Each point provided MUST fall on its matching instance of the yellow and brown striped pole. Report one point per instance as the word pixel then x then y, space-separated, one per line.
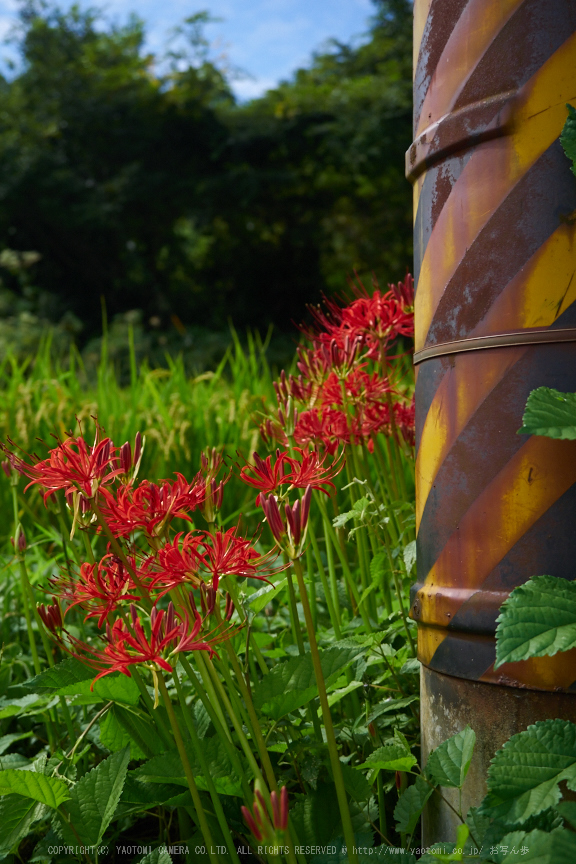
pixel 495 270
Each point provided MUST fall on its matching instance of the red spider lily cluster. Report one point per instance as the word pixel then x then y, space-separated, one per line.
pixel 258 819
pixel 126 592
pixel 343 394
pixel 276 477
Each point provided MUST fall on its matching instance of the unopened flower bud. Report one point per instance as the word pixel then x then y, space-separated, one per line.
pixel 229 610
pixel 7 468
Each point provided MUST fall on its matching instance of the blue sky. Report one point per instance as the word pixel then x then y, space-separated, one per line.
pixel 267 39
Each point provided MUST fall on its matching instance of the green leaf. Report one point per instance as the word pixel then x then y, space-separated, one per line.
pixel 448 764
pixel 550 413
pixel 113 688
pixel 391 704
pixel 22 706
pixel 47 790
pixel 316 817
pixel 291 684
pixel 356 784
pixel 538 619
pixel 537 847
pixel 391 757
pixel 114 736
pixel 157 856
pixel 568 136
pixel 167 768
pixel 567 810
pixel 524 775
pixel 17 815
pixel 410 805
pixel 6 741
pixel 410 556
pixel 260 599
pixel 94 799
pixel 67 672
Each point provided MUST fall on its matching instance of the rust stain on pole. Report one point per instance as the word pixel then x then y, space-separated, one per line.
pixel 494 258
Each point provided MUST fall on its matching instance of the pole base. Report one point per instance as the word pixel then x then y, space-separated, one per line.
pixel 495 713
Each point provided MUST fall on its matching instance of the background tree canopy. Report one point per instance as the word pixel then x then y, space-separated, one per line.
pixel 156 191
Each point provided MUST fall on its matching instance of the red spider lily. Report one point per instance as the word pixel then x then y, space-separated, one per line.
pixel 72 466
pixel 178 562
pixel 210 464
pixel 100 588
pixel 51 616
pixel 127 462
pixel 404 418
pixel 192 558
pixel 151 507
pixel 309 470
pixel 290 532
pixel 264 475
pixel 329 427
pixel 258 820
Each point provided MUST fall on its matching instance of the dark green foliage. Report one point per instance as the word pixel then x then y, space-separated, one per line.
pixel 158 192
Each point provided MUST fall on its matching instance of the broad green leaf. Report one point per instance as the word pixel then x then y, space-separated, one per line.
pixel 22 706
pixel 550 413
pixel 536 847
pixel 114 736
pixel 356 784
pixel 336 695
pixel 456 851
pixel 291 684
pixel 568 136
pixel 391 757
pixel 260 599
pixel 6 741
pixel 448 764
pixel 47 790
pixel 17 815
pixel 567 810
pixel 524 775
pixel 391 704
pixel 167 768
pixel 149 794
pixel 316 817
pixel 410 805
pixel 140 729
pixel 111 688
pixel 67 672
pixel 94 799
pixel 537 619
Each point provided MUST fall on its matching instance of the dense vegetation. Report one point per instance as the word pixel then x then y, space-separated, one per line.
pixel 139 180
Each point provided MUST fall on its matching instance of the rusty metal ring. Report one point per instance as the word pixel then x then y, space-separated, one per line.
pixel 529 336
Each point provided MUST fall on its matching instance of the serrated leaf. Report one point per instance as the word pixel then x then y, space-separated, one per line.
pixel 47 790
pixel 551 413
pixel 94 799
pixel 538 619
pixel 567 810
pixel 167 768
pixel 316 817
pixel 356 784
pixel 448 764
pixel 410 805
pixel 17 815
pixel 22 705
pixel 115 737
pixel 260 599
pixel 292 684
pixel 536 847
pixel 342 518
pixel 390 704
pixel 524 775
pixel 568 136
pixel 67 672
pixel 391 757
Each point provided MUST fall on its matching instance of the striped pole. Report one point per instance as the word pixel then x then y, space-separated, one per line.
pixel 495 270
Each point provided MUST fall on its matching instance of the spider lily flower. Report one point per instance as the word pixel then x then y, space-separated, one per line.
pixel 280 809
pixel 289 533
pixel 100 588
pixel 306 469
pixel 151 507
pixel 128 463
pixel 266 475
pixel 258 820
pixel 72 466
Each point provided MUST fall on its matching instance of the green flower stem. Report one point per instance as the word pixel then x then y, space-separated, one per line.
pixel 233 590
pixel 212 698
pixel 88 547
pixel 345 567
pixel 221 731
pixel 381 807
pixel 311 586
pixel 327 593
pixel 204 827
pixel 332 573
pixel 154 715
pixel 296 631
pixel 255 768
pixel 327 717
pixel 196 743
pixel 254 722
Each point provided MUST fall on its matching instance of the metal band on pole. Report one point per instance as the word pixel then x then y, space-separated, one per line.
pixel 512 339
